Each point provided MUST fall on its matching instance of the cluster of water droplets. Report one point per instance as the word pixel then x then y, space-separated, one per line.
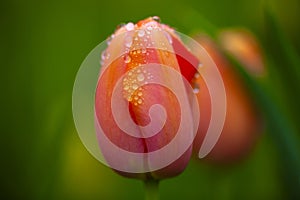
pixel 138 44
pixel 139 38
pixel 133 82
pixel 104 56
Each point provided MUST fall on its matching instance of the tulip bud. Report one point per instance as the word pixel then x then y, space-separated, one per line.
pixel 143 102
pixel 243 45
pixel 242 123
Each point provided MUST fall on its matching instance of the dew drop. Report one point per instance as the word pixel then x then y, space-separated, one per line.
pixel 197 75
pixel 140 101
pixel 149 28
pixel 139 94
pixel 156 18
pixel 105 55
pixel 108 41
pixel 200 65
pixel 134 86
pixel 129 26
pixel 136 97
pixel 140 77
pixel 141 33
pixel 126 87
pixel 196 89
pixel 128 41
pixel 127 59
pixel 129 73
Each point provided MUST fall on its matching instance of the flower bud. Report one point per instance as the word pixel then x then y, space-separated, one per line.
pixel 242 124
pixel 243 45
pixel 144 117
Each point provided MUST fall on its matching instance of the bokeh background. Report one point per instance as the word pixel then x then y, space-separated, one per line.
pixel 42 45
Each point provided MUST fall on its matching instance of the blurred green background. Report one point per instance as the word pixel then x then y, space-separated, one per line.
pixel 42 46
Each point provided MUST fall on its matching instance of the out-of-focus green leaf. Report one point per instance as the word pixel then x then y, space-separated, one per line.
pixel 284 59
pixel 281 48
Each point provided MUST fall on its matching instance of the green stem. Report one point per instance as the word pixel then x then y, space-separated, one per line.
pixel 151 189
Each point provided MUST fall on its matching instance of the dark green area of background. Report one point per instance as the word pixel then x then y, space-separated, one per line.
pixel 42 44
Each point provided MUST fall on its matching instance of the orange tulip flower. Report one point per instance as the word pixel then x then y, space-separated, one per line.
pixel 242 125
pixel 143 103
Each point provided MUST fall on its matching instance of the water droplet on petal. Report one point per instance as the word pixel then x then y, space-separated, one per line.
pixel 140 101
pixel 144 50
pixel 108 41
pixel 105 55
pixel 128 41
pixel 134 86
pixel 140 94
pixel 149 28
pixel 141 33
pixel 140 77
pixel 200 65
pixel 156 18
pixel 129 26
pixel 197 75
pixel 196 89
pixel 127 59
